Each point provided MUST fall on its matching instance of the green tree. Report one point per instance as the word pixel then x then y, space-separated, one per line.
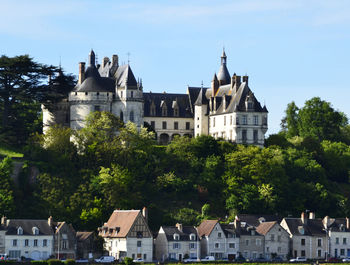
pixel 7 203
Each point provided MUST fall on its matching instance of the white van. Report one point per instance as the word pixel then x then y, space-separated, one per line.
pixel 105 259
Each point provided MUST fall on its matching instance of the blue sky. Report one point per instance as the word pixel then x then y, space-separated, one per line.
pixel 292 50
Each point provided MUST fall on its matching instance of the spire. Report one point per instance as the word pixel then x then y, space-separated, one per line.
pixel 215 78
pixel 223 74
pixel 223 56
pixel 92 58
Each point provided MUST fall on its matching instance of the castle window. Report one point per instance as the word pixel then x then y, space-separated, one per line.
pixel 98 93
pixel 76 93
pixel 35 242
pixel 250 105
pixel 19 231
pixel 164 125
pixel 132 94
pixel 35 231
pixel 255 136
pixel 265 120
pixel 132 116
pixel 176 112
pixel 244 136
pixel 187 125
pixel 121 116
pixel 153 124
pixel 164 110
pixel 237 120
pixel 176 125
pixel 97 108
pixel 244 120
pixel 256 119
pixel 26 242
pixel 45 243
pixel 153 110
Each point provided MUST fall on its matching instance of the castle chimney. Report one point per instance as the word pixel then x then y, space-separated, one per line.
pixel 303 218
pixel 145 213
pixel 214 85
pixel 238 82
pixel 105 61
pixel 179 226
pixel 311 215
pixel 245 79
pixel 115 60
pixel 49 221
pixel 347 223
pixel 3 220
pixel 233 80
pixel 81 72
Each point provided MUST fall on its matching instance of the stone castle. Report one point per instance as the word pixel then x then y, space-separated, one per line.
pixel 227 110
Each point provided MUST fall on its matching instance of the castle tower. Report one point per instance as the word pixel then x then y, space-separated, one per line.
pixel 201 118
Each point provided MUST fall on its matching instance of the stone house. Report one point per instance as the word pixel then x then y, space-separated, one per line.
pixel 308 236
pixel 232 241
pixel 177 243
pixel 65 240
pixel 85 245
pixel 276 239
pixel 338 236
pixel 126 234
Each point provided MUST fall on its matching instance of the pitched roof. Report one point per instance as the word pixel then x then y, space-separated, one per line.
pixel 124 75
pixel 313 227
pixel 229 229
pixel 27 225
pixel 81 236
pixel 121 221
pixel 265 227
pixel 184 234
pixel 338 225
pixel 256 219
pixel 205 228
pixel 201 99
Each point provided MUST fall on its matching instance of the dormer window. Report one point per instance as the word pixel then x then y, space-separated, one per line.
pixel 153 109
pixel 249 103
pixel 176 112
pixel 301 230
pixel 176 237
pixel 19 231
pixel 164 109
pixel 192 237
pixel 35 231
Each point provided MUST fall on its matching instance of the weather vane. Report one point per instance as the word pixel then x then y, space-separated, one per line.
pixel 128 57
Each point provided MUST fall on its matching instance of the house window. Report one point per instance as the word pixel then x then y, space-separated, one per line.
pixel 244 120
pixel 176 237
pixel 132 94
pixel 138 243
pixel 35 242
pixel 247 242
pixel 217 245
pixel 139 234
pixel 231 245
pixel 176 125
pixel 132 116
pixel 303 253
pixel 144 256
pixel 64 244
pixel 237 120
pixel 187 125
pixel 45 243
pixel 255 136
pixel 19 231
pixel 164 125
pixel 14 254
pixel 26 243
pixel 244 136
pixel 192 245
pixel 172 255
pixel 319 242
pixel 224 120
pixel 192 237
pixel 258 242
pixel 272 237
pixel 153 124
pixel 14 243
pixel 279 238
pixel 250 105
pixel 342 252
pixel 176 245
pixel 344 241
pixel 231 120
pixel 176 112
pixel 133 255
pixel 97 108
pixel 98 93
pixel 86 93
pixel 219 235
pixel 265 120
pixel 303 241
pixel 279 249
pixel 256 120
pixel 337 240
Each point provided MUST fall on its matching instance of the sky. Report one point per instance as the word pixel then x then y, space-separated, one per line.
pixel 292 50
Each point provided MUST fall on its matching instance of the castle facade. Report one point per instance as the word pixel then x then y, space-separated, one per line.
pixel 228 109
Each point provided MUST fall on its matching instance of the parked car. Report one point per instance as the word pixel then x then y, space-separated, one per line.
pixel 105 259
pixel 277 259
pixel 346 259
pixel 240 259
pixel 334 260
pixel 81 261
pixel 139 260
pixel 298 259
pixel 190 260
pixel 261 259
pixel 208 258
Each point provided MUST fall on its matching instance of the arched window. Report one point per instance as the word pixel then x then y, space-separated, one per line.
pixel 35 231
pixel 121 116
pixel 19 231
pixel 132 116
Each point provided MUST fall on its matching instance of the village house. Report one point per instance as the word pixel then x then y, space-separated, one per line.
pixel 65 242
pixel 177 243
pixel 338 236
pixel 126 234
pixel 232 241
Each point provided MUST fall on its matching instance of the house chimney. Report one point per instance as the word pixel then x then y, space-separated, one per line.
pixel 311 215
pixel 105 61
pixel 115 60
pixel 237 223
pixel 347 223
pixel 214 85
pixel 179 226
pixel 145 213
pixel 237 82
pixel 3 220
pixel 245 79
pixel 49 221
pixel 326 222
pixel 303 218
pixel 81 72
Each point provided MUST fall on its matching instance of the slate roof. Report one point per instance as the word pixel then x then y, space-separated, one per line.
pixel 265 227
pixel 120 221
pixel 313 227
pixel 27 226
pixel 184 235
pixel 338 225
pixel 205 228
pixel 201 98
pixel 229 229
pixel 256 219
pixel 124 76
pixel 93 82
pixel 82 236
pixel 168 99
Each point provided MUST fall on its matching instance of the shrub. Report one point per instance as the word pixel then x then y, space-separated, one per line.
pixel 128 261
pixel 69 262
pixel 39 262
pixel 54 262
